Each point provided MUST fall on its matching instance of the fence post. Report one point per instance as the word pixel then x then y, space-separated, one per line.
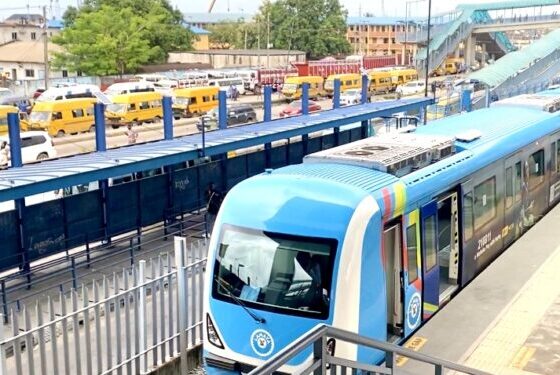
pixel 267 103
pixel 319 353
pixel 4 302
pixel 100 137
pixel 305 99
pixel 180 251
pixel 88 255
pixel 3 351
pixel 74 273
pixel 142 316
pixel 336 94
pixel 167 118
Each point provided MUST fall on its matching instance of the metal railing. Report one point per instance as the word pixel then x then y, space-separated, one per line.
pixel 324 363
pixel 130 323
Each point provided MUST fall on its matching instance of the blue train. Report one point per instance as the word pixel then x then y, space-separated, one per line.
pixel 377 235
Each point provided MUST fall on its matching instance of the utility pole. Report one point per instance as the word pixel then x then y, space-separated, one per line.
pixel 268 39
pixel 46 47
pixel 428 48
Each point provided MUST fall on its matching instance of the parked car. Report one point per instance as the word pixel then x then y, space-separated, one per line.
pixel 294 108
pixel 35 145
pixel 238 114
pixel 349 97
pixel 411 88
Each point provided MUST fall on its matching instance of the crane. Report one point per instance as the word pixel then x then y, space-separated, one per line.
pixel 212 2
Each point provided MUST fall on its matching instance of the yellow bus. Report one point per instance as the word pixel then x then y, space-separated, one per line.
pixel 347 82
pixel 4 110
pixel 61 117
pixel 380 81
pixel 451 65
pixel 292 88
pixel 134 108
pixel 194 100
pixel 400 75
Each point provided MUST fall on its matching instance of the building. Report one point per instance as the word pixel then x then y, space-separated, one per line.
pixel 382 36
pixel 24 60
pixel 202 41
pixel 231 58
pixel 203 20
pixel 26 27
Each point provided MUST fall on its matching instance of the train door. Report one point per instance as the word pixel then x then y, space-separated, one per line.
pixel 430 266
pixel 392 248
pixel 447 245
pixel 513 185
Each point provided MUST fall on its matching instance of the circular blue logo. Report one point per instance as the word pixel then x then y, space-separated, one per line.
pixel 414 309
pixel 262 342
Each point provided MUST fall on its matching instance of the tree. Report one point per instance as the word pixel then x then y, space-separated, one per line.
pixel 107 41
pixel 315 26
pixel 228 34
pixel 153 26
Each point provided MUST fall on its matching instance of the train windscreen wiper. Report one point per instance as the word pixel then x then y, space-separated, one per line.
pixel 226 287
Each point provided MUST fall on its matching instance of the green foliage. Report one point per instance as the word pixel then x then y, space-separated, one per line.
pixel 315 26
pixel 229 34
pixel 117 36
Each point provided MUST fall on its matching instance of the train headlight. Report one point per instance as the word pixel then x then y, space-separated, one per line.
pixel 212 334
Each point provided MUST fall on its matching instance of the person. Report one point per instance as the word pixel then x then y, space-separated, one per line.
pixel 234 93
pixel 316 297
pixel 131 134
pixel 230 92
pixel 4 155
pixel 214 201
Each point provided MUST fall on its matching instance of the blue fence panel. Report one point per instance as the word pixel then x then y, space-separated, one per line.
pixel 255 163
pixel 9 253
pixel 344 136
pixel 209 173
pixel 185 190
pixel 355 134
pixel 296 153
pixel 236 170
pixel 122 208
pixel 153 199
pixel 314 145
pixel 278 157
pixel 43 225
pixel 327 141
pixel 84 217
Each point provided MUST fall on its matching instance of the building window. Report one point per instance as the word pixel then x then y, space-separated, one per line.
pixel 14 36
pixel 29 73
pixel 33 36
pixel 65 74
pixel 386 40
pixel 78 73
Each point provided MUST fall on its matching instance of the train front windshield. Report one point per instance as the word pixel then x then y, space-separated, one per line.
pixel 274 272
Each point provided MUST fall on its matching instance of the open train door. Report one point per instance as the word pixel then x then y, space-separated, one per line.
pixel 430 266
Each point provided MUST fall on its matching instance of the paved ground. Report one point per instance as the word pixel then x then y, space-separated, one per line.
pixel 506 321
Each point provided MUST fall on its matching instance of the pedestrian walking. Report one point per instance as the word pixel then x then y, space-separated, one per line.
pixel 4 155
pixel 131 134
pixel 214 201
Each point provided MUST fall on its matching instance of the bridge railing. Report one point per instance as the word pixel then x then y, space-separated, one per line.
pixel 324 361
pixel 131 322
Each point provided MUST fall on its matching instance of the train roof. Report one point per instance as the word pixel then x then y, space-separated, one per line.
pixel 453 148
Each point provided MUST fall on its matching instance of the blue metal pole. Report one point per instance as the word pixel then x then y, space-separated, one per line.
pixel 222 110
pixel 167 118
pixel 336 94
pixel 15 139
pixel 365 82
pixel 267 103
pixel 305 99
pixel 100 139
pixel 466 102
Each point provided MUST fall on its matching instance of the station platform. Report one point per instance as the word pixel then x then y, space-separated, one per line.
pixel 507 320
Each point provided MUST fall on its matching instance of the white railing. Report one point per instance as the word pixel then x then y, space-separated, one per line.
pixel 130 323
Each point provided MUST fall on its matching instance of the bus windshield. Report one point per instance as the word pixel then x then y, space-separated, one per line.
pixel 275 272
pixel 182 100
pixel 116 108
pixel 39 116
pixel 290 87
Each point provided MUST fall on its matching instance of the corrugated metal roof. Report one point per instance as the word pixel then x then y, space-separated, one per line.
pixel 367 179
pixel 380 21
pixel 513 62
pixel 198 30
pixel 54 174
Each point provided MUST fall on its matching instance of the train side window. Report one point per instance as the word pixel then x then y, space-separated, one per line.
pixel 509 187
pixel 484 202
pixel 553 157
pixel 518 182
pixel 536 169
pixel 430 242
pixel 468 215
pixel 411 246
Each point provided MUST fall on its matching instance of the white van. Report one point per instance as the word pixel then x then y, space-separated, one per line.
pixel 150 77
pixel 70 92
pixel 225 83
pixel 129 87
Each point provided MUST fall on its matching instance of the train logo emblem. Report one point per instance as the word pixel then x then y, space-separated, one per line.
pixel 262 342
pixel 413 316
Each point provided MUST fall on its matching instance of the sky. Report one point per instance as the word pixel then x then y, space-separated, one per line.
pixel 417 8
